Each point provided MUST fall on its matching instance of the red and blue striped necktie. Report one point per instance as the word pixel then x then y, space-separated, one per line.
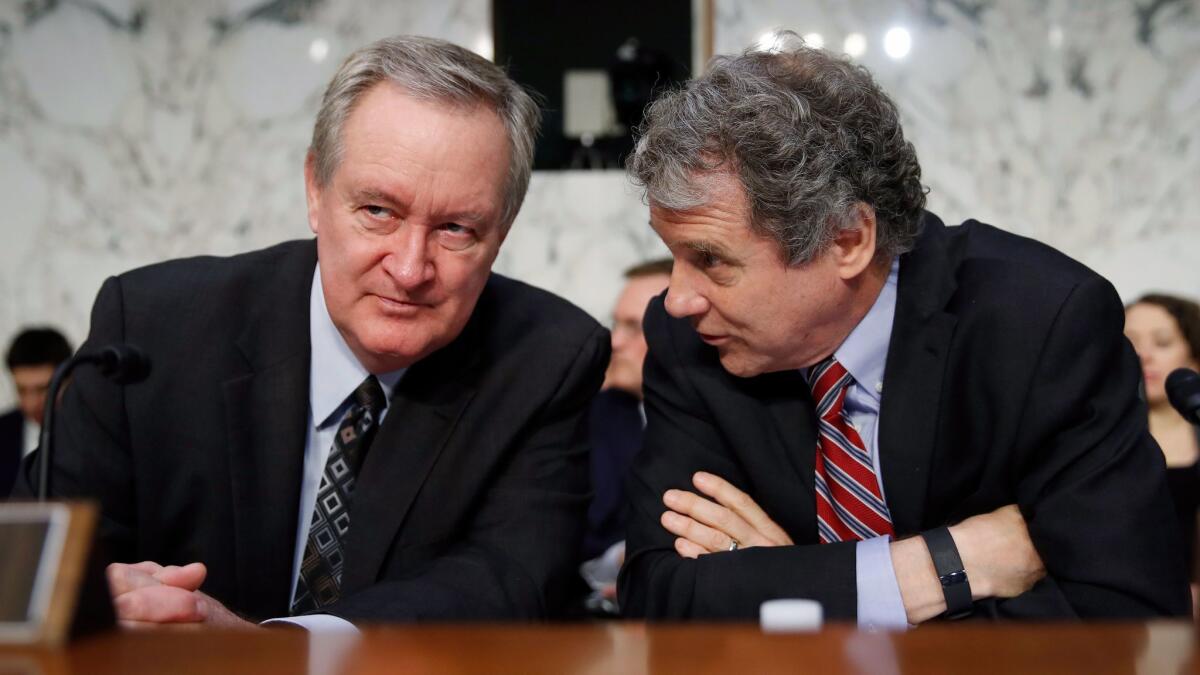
pixel 850 504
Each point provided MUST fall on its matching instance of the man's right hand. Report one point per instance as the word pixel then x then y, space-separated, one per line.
pixel 149 594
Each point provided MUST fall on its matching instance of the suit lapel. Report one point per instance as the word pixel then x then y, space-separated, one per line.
pixel 794 425
pixel 421 417
pixel 267 418
pixel 912 385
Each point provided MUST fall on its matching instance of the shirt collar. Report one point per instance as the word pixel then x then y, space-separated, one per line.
pixel 334 371
pixel 864 352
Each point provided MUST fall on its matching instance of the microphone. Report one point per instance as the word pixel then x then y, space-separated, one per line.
pixel 121 363
pixel 1183 391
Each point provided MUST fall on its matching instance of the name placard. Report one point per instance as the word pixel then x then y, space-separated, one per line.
pixel 44 572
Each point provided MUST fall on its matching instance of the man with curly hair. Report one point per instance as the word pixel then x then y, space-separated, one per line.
pixel 851 402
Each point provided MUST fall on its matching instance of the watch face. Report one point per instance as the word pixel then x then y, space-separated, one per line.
pixel 954 578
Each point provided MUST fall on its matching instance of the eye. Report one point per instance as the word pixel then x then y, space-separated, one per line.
pixel 708 260
pixel 456 236
pixel 377 211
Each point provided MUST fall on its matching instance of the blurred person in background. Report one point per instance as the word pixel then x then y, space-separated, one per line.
pixel 32 358
pixel 616 423
pixel 1165 332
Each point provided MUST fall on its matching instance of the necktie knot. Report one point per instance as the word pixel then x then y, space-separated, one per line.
pixel 370 395
pixel 828 381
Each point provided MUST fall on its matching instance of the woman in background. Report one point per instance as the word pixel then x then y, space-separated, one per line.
pixel 1165 332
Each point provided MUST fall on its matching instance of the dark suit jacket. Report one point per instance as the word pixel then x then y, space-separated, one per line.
pixel 1008 380
pixel 12 443
pixel 470 503
pixel 615 431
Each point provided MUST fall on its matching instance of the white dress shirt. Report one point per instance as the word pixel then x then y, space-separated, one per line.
pixel 334 374
pixel 33 433
pixel 864 354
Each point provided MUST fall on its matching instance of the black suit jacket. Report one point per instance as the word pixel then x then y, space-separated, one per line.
pixel 615 431
pixel 1008 380
pixel 470 503
pixel 12 444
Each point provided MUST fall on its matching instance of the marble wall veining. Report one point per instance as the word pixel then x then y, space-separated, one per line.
pixel 132 131
pixel 1076 122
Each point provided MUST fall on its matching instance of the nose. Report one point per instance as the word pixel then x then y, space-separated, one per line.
pixel 682 299
pixel 409 262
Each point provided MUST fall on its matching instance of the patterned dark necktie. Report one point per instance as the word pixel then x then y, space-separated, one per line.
pixel 320 578
pixel 849 502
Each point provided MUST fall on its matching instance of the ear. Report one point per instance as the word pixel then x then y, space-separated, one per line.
pixel 854 247
pixel 312 191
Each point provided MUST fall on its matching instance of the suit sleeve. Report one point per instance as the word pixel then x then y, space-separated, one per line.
pixel 681 438
pixel 1092 484
pixel 519 558
pixel 91 454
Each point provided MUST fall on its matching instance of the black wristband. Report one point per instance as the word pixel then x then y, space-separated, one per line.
pixel 950 571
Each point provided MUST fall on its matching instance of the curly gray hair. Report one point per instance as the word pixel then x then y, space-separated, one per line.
pixel 808 134
pixel 430 70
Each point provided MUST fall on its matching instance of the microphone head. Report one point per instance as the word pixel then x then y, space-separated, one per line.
pixel 123 364
pixel 1183 391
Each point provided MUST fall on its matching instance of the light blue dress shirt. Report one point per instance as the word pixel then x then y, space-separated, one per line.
pixel 334 374
pixel 864 355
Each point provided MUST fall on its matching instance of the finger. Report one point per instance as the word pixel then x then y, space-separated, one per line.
pixel 688 549
pixel 147 566
pixel 125 578
pixel 713 515
pixel 159 604
pixel 188 577
pixel 150 625
pixel 740 504
pixel 703 536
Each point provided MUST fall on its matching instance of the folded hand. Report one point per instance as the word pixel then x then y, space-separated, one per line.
pixel 733 521
pixel 147 593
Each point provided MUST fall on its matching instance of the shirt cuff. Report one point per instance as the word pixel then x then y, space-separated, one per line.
pixel 317 623
pixel 880 606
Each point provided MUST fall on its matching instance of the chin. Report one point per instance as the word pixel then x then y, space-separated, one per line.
pixel 741 367
pixel 397 353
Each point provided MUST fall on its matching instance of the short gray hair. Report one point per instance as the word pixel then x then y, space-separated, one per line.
pixel 809 135
pixel 430 70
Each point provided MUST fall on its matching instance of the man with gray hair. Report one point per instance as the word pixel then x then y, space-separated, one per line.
pixel 850 402
pixel 370 426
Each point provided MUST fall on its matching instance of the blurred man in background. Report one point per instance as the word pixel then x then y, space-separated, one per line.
pixel 616 421
pixel 32 358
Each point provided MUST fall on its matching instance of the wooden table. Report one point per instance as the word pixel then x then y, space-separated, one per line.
pixel 629 648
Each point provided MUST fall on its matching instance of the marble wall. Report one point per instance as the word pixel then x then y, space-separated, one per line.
pixel 132 131
pixel 1076 122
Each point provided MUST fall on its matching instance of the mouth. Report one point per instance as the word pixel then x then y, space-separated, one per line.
pixel 713 340
pixel 400 307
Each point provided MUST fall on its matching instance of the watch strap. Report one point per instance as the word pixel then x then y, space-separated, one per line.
pixel 955 586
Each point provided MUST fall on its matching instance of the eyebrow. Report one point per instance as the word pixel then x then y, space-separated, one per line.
pixel 376 195
pixel 707 248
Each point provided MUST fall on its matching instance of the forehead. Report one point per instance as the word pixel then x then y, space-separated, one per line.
pixel 638 291
pixel 720 225
pixel 1150 317
pixel 390 135
pixel 724 208
pixel 33 374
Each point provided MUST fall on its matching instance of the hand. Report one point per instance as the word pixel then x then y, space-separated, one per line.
pixel 998 554
pixel 706 527
pixel 148 594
